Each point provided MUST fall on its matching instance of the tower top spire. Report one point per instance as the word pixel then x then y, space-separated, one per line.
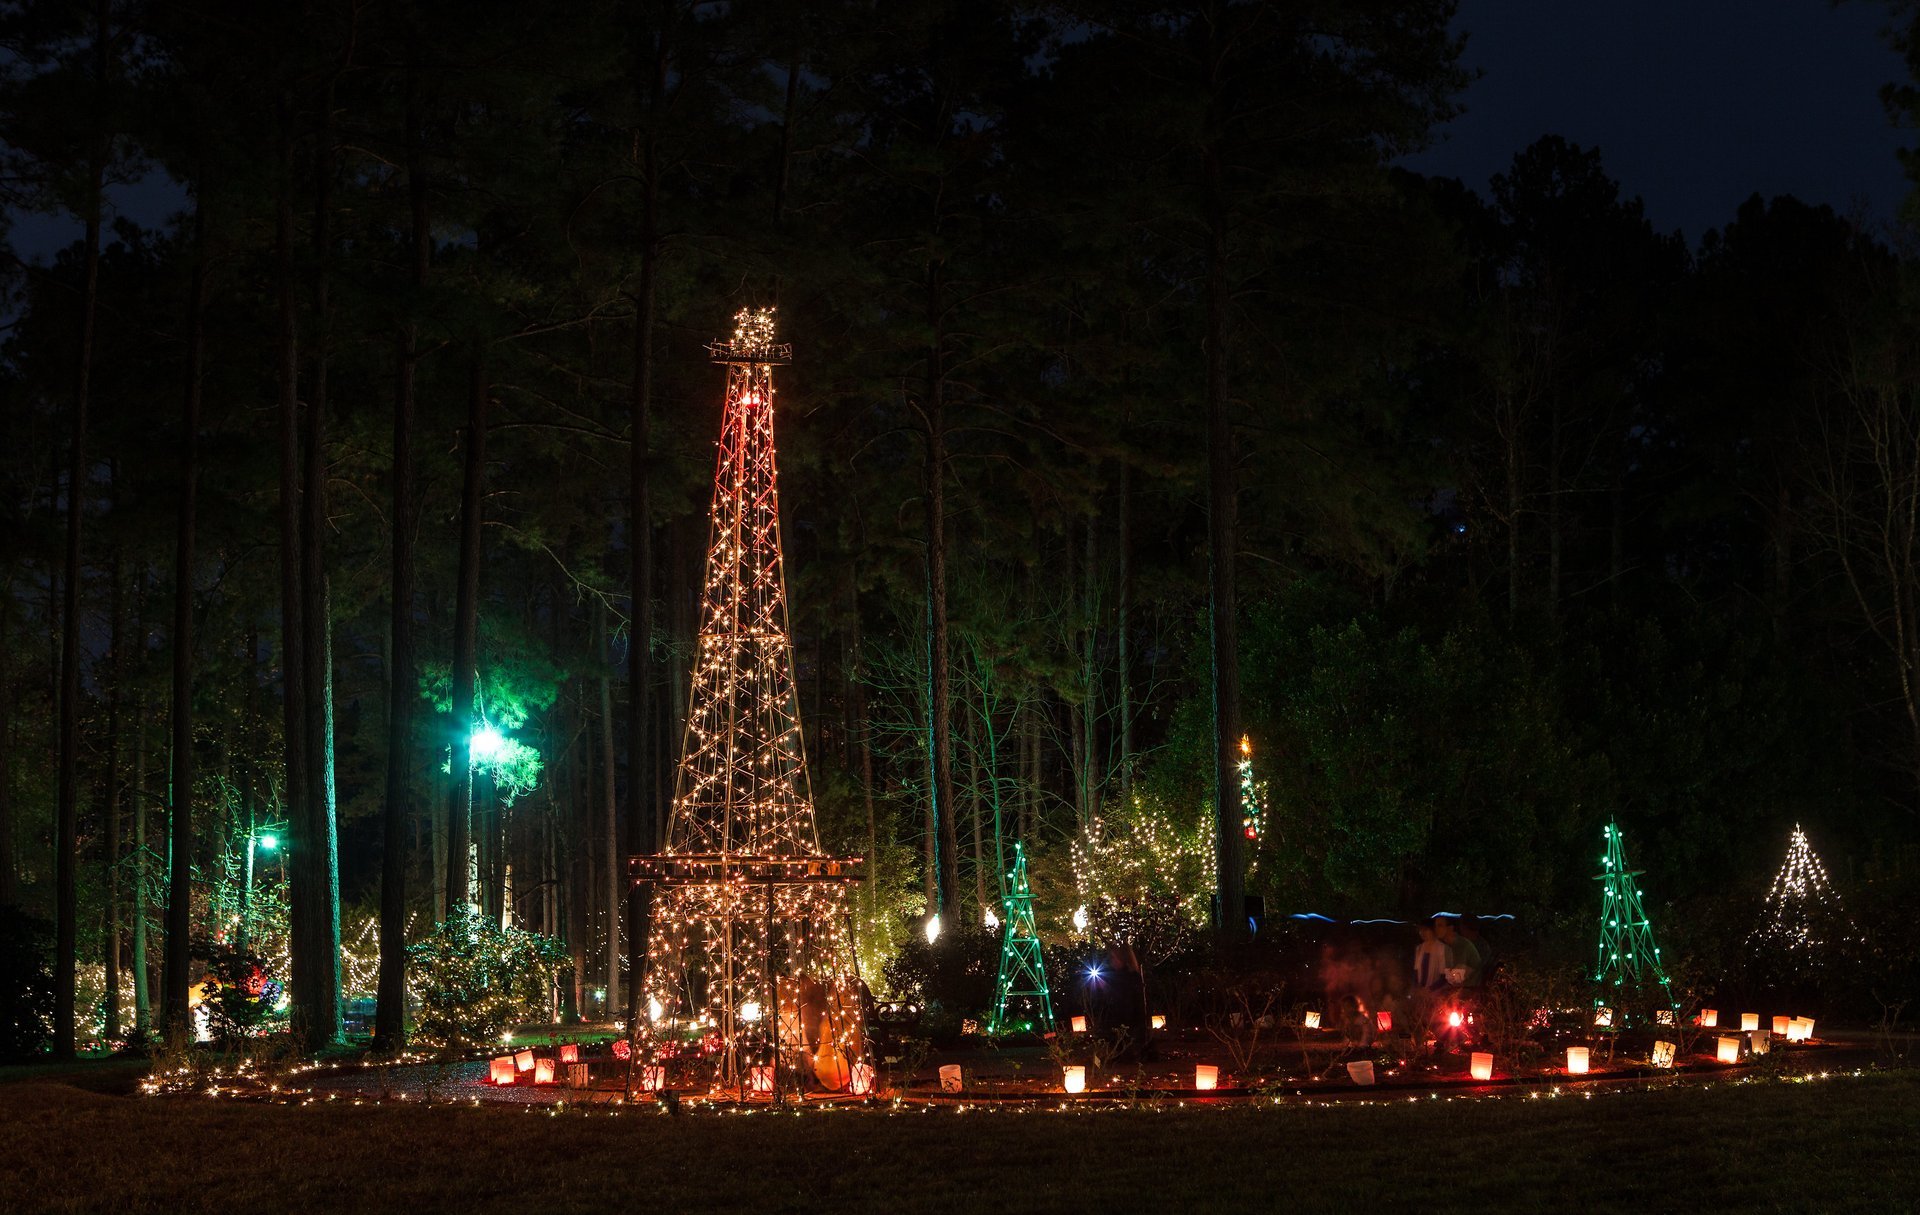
pixel 752 340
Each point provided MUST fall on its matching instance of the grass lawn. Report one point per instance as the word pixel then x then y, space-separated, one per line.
pixel 1840 1144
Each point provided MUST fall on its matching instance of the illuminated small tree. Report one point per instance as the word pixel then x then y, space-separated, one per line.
pixel 1802 923
pixel 1627 955
pixel 1252 822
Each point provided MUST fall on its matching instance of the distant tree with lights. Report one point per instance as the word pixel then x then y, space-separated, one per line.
pixel 1802 923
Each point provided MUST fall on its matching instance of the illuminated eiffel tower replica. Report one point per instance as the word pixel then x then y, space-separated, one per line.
pixel 750 950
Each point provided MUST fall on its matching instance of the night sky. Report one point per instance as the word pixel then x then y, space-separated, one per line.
pixel 1695 104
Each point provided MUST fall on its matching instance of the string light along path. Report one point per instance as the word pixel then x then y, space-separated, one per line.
pixel 750 957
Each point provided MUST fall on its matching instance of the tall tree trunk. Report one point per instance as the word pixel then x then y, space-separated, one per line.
pixel 938 683
pixel 296 791
pixel 609 801
pixel 1555 492
pixel 643 832
pixel 1512 415
pixel 1124 625
pixel 466 614
pixel 390 1010
pixel 110 867
pixel 137 805
pixel 317 1009
pixel 66 815
pixel 7 894
pixel 179 953
pixel 1222 604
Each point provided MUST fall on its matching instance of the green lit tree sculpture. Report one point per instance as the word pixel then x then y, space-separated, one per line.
pixel 1023 976
pixel 1627 956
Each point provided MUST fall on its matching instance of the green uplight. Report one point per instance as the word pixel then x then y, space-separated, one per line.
pixel 487 745
pixel 269 842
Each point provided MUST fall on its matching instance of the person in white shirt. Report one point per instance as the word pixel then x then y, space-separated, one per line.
pixel 1429 961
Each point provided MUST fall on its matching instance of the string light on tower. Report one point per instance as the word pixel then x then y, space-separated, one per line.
pixel 1627 952
pixel 751 948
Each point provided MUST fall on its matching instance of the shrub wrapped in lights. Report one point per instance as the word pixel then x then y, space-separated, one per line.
pixel 473 979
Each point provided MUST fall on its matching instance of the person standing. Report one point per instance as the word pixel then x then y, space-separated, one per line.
pixel 1429 961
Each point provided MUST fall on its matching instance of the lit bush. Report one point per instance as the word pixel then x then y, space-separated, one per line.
pixel 473 979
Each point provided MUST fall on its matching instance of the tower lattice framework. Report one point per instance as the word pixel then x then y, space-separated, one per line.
pixel 750 951
pixel 1022 982
pixel 1627 954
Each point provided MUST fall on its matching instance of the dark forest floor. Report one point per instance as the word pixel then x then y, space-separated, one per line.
pixel 1846 1143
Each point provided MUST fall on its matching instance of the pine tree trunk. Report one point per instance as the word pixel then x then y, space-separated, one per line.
pixel 390 1009
pixel 1222 603
pixel 938 683
pixel 66 815
pixel 317 1009
pixel 293 666
pixel 643 832
pixel 460 824
pixel 7 880
pixel 110 844
pixel 137 804
pixel 609 803
pixel 1124 625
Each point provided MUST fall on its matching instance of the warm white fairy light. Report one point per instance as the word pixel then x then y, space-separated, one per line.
pixel 1801 921
pixel 742 881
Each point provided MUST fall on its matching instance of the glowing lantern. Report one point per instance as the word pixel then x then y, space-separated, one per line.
pixel 1361 1072
pixel 502 1070
pixel 523 1061
pixel 1728 1050
pixel 622 1048
pixel 950 1078
pixel 1206 1076
pixel 577 1075
pixel 1384 1020
pixel 1079 1025
pixel 1074 1078
pixel 1758 1042
pixel 1480 1065
pixel 1709 1018
pixel 1780 1025
pixel 653 1077
pixel 1603 1018
pixel 1312 1020
pixel 1576 1061
pixel 570 1053
pixel 543 1071
pixel 1663 1054
pixel 862 1079
pixel 1159 1021
pixel 760 1079
pixel 1663 1016
pixel 1799 1029
pixel 1749 1022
